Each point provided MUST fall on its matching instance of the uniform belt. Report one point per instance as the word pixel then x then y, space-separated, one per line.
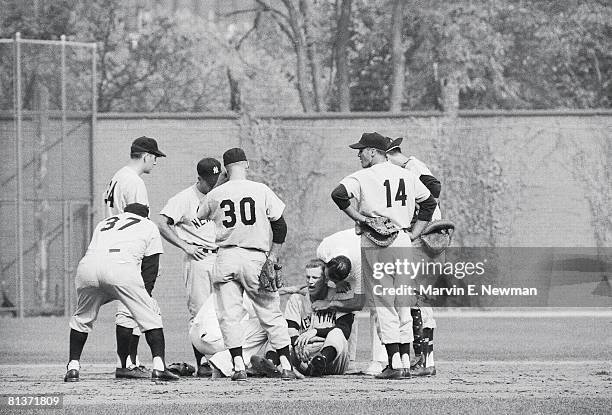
pixel 206 250
pixel 113 250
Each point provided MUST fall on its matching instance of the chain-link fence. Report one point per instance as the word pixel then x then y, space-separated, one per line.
pixel 47 122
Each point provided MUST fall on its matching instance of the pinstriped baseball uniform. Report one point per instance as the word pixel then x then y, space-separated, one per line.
pixel 182 209
pixel 385 189
pixel 242 211
pixel 299 309
pixel 110 270
pixel 125 187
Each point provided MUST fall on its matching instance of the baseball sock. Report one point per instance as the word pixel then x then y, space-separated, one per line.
pixel 77 342
pixel 273 356
pixel 124 335
pixel 330 353
pixel 198 356
pixel 237 358
pixel 429 354
pixel 134 349
pixel 157 343
pixel 393 355
pixel 404 350
pixel 283 355
pixel 417 329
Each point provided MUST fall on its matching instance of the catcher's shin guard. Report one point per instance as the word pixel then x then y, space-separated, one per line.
pixel 417 330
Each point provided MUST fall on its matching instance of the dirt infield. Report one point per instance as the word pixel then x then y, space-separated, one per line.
pixel 485 365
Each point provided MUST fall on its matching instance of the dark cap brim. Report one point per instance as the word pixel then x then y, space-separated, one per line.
pixel 395 143
pixel 156 153
pixel 357 146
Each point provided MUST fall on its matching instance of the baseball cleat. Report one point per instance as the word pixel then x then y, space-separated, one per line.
pixel 71 376
pixel 420 370
pixel 239 375
pixel 130 373
pixel 288 375
pixel 317 365
pixel 204 371
pixel 390 373
pixel 163 375
pixel 417 361
pixel 265 367
pixel 406 373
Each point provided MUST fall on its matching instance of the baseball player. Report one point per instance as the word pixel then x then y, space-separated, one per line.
pixel 123 254
pixel 250 228
pixel 127 187
pixel 205 335
pixel 422 316
pixel 179 225
pixel 382 189
pixel 320 337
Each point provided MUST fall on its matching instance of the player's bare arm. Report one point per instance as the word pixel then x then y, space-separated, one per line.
pixel 166 228
pixel 347 306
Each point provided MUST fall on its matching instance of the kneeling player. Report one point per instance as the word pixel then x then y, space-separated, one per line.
pixel 123 254
pixel 320 338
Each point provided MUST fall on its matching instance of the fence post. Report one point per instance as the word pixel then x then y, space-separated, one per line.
pixel 18 162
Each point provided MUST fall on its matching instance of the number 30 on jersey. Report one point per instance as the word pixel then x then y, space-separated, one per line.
pixel 246 211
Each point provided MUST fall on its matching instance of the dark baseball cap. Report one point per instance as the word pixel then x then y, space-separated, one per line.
pixel 371 140
pixel 146 145
pixel 209 167
pixel 233 155
pixel 394 143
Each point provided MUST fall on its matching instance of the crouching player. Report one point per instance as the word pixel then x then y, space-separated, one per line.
pixel 319 335
pixel 123 254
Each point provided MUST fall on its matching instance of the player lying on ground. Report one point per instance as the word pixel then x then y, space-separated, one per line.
pixel 206 337
pixel 320 338
pixel 124 251
pixel 179 225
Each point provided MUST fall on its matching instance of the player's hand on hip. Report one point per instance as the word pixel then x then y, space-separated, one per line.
pixel 195 252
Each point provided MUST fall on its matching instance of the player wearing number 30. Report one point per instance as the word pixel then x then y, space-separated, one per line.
pixel 124 249
pixel 250 229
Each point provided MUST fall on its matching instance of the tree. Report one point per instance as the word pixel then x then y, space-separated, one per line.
pixel 398 59
pixel 340 52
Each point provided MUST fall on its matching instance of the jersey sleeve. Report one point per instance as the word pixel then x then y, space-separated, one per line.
pixel 293 309
pixel 274 206
pixel 421 192
pixel 323 251
pixel 154 245
pixel 353 188
pixel 174 209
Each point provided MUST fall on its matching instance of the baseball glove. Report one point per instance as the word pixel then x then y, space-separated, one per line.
pixel 380 230
pixel 181 369
pixel 437 236
pixel 271 276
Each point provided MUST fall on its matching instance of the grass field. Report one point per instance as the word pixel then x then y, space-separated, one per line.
pixel 498 364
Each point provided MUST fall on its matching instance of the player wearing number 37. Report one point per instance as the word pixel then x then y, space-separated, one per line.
pixel 250 230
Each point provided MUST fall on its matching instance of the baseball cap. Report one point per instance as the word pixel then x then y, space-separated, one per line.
pixel 394 143
pixel 209 167
pixel 371 140
pixel 233 155
pixel 146 145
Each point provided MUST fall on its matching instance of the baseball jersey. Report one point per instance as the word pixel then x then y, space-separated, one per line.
pixel 242 211
pixel 299 309
pixel 182 208
pixel 129 237
pixel 385 189
pixel 125 187
pixel 346 243
pixel 420 169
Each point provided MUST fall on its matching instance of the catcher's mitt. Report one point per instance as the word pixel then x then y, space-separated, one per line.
pixel 271 276
pixel 380 230
pixel 437 236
